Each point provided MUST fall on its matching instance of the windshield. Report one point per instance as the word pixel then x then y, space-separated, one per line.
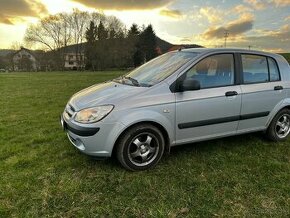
pixel 157 69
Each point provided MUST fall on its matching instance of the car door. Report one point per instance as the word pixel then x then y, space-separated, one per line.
pixel 213 110
pixel 262 90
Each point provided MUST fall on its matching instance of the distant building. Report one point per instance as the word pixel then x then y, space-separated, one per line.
pixel 73 61
pixel 25 60
pixel 74 57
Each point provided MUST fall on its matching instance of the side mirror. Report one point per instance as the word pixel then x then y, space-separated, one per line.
pixel 189 85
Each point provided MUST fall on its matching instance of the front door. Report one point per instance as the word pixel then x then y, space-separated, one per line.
pixel 214 110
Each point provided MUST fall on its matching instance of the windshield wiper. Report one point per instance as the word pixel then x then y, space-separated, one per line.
pixel 134 81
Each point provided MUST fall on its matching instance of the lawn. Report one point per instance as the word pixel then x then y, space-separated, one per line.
pixel 43 175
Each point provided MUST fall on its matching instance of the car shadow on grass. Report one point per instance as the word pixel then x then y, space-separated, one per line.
pixel 232 143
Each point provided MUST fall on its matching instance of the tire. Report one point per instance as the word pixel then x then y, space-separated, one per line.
pixel 279 127
pixel 140 147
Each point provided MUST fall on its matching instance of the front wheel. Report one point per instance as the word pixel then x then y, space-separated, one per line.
pixel 141 147
pixel 279 128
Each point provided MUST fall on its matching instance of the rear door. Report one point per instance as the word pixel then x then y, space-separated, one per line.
pixel 262 90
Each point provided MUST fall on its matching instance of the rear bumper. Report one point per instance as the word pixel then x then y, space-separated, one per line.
pixel 92 140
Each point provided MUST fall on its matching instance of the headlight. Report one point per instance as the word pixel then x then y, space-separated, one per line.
pixel 94 114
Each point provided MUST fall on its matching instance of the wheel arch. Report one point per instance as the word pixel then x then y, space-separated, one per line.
pixel 153 123
pixel 284 105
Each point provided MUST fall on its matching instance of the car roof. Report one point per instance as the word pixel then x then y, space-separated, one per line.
pixel 202 51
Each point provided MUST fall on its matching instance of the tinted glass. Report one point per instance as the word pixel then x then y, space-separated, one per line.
pixel 213 71
pixel 274 72
pixel 255 69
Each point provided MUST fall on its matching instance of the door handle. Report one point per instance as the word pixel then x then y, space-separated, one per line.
pixel 276 88
pixel 231 93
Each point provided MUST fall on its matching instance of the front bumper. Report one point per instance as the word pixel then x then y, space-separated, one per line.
pixel 92 140
pixel 78 130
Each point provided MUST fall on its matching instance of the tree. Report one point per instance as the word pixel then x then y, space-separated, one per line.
pixel 148 43
pixel 79 20
pixel 102 32
pixel 134 46
pixel 104 40
pixel 15 46
pixel 91 37
pixel 50 33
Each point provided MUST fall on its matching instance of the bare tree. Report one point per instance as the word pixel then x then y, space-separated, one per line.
pixel 51 33
pixel 56 32
pixel 79 22
pixel 15 46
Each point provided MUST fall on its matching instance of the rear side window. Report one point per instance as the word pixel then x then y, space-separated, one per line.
pixel 259 69
pixel 213 71
pixel 255 69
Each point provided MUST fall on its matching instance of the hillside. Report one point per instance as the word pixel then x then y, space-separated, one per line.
pixel 5 52
pixel 287 56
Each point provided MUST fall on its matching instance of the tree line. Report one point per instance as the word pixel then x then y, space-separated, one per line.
pixel 105 40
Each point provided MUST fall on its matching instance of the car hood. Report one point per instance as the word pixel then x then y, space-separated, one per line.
pixel 104 93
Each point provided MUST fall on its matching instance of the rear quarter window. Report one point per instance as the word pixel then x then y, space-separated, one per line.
pixel 273 69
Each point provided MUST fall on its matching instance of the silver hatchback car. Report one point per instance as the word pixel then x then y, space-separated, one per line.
pixel 181 97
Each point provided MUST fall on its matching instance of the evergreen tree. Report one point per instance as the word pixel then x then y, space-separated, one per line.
pixel 102 32
pixel 112 34
pixel 148 43
pixel 134 44
pixel 133 31
pixel 91 37
pixel 91 33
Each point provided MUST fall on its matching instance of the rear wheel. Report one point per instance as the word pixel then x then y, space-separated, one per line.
pixel 279 128
pixel 141 147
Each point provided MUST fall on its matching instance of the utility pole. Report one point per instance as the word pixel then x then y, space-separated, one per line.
pixel 226 37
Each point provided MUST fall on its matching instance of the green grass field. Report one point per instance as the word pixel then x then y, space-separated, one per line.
pixel 43 175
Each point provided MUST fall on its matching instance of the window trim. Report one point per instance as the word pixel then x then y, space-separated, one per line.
pixel 269 77
pixel 236 71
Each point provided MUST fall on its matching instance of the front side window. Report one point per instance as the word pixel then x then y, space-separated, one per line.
pixel 213 71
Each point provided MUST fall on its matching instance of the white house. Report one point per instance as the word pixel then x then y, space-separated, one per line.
pixel 74 57
pixel 24 60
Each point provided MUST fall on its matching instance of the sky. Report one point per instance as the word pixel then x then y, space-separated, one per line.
pixel 261 24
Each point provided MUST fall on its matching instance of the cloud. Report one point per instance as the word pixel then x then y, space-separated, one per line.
pixel 124 4
pixel 186 39
pixel 241 9
pixel 270 40
pixel 263 4
pixel 257 4
pixel 212 15
pixel 171 13
pixel 281 3
pixel 14 10
pixel 235 28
